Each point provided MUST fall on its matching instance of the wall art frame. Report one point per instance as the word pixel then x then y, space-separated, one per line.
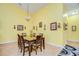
pixel 53 26
pixel 40 24
pixel 20 27
pixel 74 28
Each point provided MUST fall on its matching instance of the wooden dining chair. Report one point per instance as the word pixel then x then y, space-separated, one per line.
pixel 43 40
pixel 24 34
pixel 25 45
pixel 37 44
pixel 19 42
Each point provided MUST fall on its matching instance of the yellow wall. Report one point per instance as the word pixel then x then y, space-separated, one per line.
pixel 72 35
pixel 49 14
pixel 11 15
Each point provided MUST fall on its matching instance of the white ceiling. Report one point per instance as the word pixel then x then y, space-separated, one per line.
pixel 71 6
pixel 33 7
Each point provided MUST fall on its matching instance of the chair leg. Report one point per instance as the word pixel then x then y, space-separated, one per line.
pixel 41 48
pixel 19 44
pixel 31 48
pixel 36 51
pixel 23 51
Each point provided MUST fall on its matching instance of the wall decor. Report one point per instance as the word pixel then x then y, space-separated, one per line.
pixel 65 25
pixel 44 27
pixel 74 28
pixel 20 27
pixel 25 27
pixel 53 26
pixel 33 27
pixel 40 24
pixel 59 25
pixel 36 28
pixel 14 26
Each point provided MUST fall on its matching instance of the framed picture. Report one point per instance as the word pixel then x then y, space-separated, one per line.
pixel 25 27
pixel 40 24
pixel 36 28
pixel 33 27
pixel 53 26
pixel 59 25
pixel 74 28
pixel 20 27
pixel 44 27
pixel 65 26
pixel 14 26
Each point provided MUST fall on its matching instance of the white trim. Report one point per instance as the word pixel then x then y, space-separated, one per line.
pixel 73 41
pixel 59 46
pixel 8 42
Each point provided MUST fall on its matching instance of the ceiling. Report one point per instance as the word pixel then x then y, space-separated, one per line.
pixel 70 6
pixel 34 7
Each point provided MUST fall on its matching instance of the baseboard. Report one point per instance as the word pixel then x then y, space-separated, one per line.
pixel 52 44
pixel 72 41
pixel 8 42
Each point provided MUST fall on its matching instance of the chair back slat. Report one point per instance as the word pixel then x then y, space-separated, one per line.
pixel 19 41
pixel 38 39
pixel 22 42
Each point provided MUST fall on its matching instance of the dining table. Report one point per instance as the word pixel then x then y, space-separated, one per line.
pixel 30 40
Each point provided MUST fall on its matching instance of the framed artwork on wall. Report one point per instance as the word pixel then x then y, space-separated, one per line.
pixel 14 26
pixel 53 26
pixel 36 28
pixel 44 26
pixel 65 25
pixel 40 24
pixel 33 27
pixel 74 28
pixel 20 27
pixel 25 27
pixel 59 25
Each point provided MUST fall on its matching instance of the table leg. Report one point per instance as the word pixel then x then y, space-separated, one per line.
pixel 43 44
pixel 29 49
